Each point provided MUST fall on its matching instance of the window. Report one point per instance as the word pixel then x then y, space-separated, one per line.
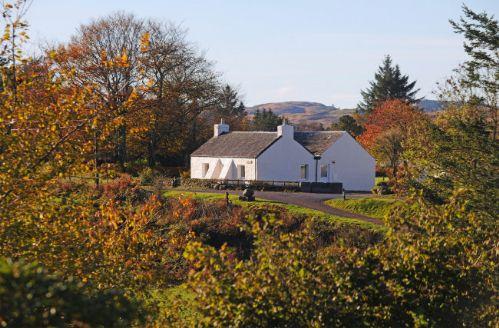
pixel 324 171
pixel 241 171
pixel 205 168
pixel 304 171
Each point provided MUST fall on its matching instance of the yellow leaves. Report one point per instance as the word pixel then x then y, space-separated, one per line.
pixel 103 56
pixel 124 60
pixel 145 41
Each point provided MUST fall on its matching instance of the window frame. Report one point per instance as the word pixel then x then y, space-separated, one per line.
pixel 205 167
pixel 241 171
pixel 304 171
pixel 324 169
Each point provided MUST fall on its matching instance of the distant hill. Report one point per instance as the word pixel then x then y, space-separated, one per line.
pixel 314 112
pixel 429 105
pixel 303 111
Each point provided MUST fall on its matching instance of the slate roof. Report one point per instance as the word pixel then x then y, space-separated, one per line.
pixel 250 144
pixel 317 142
pixel 237 144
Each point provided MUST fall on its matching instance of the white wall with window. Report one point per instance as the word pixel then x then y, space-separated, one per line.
pixel 349 164
pixel 283 162
pixel 222 168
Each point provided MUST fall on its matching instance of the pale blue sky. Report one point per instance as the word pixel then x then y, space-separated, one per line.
pixel 277 50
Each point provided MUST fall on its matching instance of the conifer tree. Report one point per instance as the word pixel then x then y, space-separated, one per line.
pixel 388 84
pixel 480 73
pixel 230 103
pixel 266 120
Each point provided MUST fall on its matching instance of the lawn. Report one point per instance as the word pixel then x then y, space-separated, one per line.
pixel 376 207
pixel 258 203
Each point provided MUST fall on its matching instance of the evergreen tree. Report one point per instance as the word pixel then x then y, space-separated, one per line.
pixel 349 124
pixel 388 84
pixel 230 104
pixel 265 120
pixel 481 71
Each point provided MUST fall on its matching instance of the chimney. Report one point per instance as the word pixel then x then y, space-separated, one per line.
pixel 285 130
pixel 220 128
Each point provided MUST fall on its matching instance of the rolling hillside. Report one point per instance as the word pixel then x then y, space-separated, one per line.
pixel 314 112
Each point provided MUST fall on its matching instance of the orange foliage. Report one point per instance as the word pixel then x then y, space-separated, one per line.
pixel 391 114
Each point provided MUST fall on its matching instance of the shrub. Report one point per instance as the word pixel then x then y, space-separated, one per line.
pixel 382 188
pixel 435 267
pixel 31 297
pixel 146 176
pixel 124 188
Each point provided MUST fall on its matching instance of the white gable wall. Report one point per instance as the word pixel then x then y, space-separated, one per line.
pixel 223 168
pixel 282 160
pixel 353 166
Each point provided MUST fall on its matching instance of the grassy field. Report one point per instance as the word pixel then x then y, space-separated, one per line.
pixel 376 207
pixel 292 209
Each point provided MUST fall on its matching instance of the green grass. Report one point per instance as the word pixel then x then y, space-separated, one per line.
pixel 292 209
pixel 376 207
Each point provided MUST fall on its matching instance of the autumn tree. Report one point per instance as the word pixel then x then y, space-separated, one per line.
pixel 43 122
pixel 179 85
pixel 454 151
pixel 388 84
pixel 386 129
pixel 105 53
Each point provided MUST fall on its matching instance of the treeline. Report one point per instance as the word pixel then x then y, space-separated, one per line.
pixel 158 90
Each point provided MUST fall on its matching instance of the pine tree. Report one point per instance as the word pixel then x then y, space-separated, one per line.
pixel 481 70
pixel 388 84
pixel 230 104
pixel 349 124
pixel 265 120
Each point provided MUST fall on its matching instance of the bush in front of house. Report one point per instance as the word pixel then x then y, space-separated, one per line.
pixel 146 176
pixel 382 188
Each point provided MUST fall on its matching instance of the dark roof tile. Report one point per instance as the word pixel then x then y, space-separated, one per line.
pixel 317 142
pixel 250 144
pixel 237 144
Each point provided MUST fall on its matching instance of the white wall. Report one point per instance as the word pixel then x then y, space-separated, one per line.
pixel 197 167
pixel 353 166
pixel 282 160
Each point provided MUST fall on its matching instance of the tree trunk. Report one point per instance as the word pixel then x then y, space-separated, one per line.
pixel 121 147
pixel 151 150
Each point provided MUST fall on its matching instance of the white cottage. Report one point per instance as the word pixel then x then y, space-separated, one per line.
pixel 285 155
